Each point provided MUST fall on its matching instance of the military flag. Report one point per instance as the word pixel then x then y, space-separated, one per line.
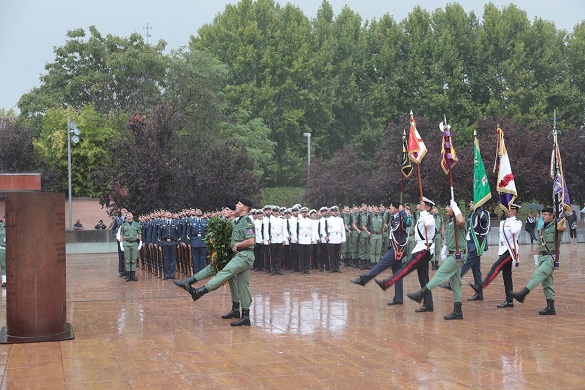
pixel 416 146
pixel 505 184
pixel 448 155
pixel 406 165
pixel 561 200
pixel 481 186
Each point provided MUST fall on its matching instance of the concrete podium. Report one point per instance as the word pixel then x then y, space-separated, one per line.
pixel 35 268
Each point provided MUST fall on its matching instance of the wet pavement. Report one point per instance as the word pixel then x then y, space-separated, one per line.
pixel 316 331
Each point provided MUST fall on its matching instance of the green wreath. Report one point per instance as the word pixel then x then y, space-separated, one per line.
pixel 218 240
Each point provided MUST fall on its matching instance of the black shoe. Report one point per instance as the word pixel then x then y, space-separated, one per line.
pixel 457 314
pixel 446 286
pixel 358 280
pixel 234 313
pixel 277 273
pixel 392 303
pixel 185 283
pixel 475 297
pixel 245 320
pixel 419 295
pixel 424 309
pixel 549 310
pixel 3 284
pixel 133 276
pixel 337 271
pixel 505 304
pixel 197 293
pixel 122 274
pixel 521 295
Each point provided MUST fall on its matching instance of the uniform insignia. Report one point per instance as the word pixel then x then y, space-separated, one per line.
pixel 249 231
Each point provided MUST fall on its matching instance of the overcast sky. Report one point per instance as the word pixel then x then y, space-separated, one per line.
pixel 30 29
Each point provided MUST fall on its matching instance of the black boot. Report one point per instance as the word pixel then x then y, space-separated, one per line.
pixel 235 313
pixel 184 284
pixel 457 313
pixel 435 266
pixel 356 263
pixel 419 295
pixel 549 310
pixel 521 295
pixel 245 320
pixel 133 276
pixel 127 276
pixel 197 293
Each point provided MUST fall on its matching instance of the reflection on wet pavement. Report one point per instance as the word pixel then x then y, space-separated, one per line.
pixel 308 331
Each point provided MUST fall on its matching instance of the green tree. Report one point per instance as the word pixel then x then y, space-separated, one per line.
pixel 111 73
pixel 87 157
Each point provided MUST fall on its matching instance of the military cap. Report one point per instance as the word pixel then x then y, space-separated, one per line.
pixel 246 202
pixel 295 208
pixel 334 208
pixel 287 211
pixel 312 211
pixel 304 210
pixel 514 206
pixel 427 201
pixel 395 204
pixel 323 209
pixel 547 210
pixel 275 208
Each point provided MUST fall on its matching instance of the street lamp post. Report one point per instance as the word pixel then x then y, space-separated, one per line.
pixel 72 136
pixel 308 135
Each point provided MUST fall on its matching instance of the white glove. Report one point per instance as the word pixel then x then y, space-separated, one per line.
pixel 444 253
pixel 122 246
pixel 140 245
pixel 455 208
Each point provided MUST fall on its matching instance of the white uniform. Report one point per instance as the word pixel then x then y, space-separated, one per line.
pixel 277 230
pixel 305 229
pixel 427 220
pixel 335 230
pixel 509 231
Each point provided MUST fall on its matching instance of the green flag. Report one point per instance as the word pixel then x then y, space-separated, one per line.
pixel 481 186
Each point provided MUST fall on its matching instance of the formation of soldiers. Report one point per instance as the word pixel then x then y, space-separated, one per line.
pixel 294 239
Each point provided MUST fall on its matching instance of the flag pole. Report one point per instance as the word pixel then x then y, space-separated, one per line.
pixel 556 198
pixel 448 162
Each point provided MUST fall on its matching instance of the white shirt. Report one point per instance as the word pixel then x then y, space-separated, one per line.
pixel 258 230
pixel 277 230
pixel 291 230
pixel 305 231
pixel 428 221
pixel 335 228
pixel 509 231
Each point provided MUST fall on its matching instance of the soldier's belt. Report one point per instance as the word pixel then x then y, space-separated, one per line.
pixel 462 252
pixel 546 253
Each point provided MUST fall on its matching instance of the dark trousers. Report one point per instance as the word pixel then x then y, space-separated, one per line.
pixel 276 257
pixel 323 256
pixel 387 261
pixel 418 261
pixel 315 256
pixel 294 253
pixel 121 260
pixel 305 256
pixel 258 260
pixel 334 256
pixel 266 256
pixel 287 255
pixel 504 264
pixel 472 262
pixel 199 255
pixel 169 252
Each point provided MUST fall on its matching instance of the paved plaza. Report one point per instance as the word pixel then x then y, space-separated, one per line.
pixel 316 331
